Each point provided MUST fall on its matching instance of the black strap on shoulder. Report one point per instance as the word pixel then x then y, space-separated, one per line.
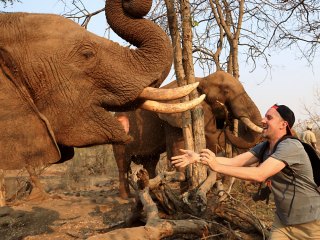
pixel 262 151
pixel 312 154
pixel 314 159
pixel 266 145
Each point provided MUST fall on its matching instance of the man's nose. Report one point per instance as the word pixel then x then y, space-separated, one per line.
pixel 264 120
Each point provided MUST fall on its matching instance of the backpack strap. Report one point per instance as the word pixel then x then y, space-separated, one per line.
pixel 262 151
pixel 312 154
pixel 287 170
pixel 266 145
pixel 314 159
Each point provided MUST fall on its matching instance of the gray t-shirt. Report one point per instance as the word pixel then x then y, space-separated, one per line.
pixel 296 199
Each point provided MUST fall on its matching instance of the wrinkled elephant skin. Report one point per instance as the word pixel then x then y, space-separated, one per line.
pixel 59 83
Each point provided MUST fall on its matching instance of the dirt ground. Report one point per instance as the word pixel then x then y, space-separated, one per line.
pixel 89 209
pixel 82 207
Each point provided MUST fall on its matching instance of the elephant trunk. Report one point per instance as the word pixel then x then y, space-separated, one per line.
pixel 152 59
pixel 241 142
pixel 247 112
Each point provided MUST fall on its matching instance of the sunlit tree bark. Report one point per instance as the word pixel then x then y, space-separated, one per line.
pixel 179 69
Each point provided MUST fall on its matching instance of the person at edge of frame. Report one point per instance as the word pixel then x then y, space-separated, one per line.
pixel 309 137
pixel 297 214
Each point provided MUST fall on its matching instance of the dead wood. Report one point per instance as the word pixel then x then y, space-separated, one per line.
pixel 194 201
pixel 155 227
pixel 233 212
pixel 146 211
pixel 201 195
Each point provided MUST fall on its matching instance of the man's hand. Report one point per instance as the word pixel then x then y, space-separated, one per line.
pixel 185 159
pixel 208 158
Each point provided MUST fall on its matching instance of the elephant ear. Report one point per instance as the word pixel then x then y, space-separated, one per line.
pixel 25 134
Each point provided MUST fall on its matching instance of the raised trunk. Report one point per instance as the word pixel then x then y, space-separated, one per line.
pixel 154 54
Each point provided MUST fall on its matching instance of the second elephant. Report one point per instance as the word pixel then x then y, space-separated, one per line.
pixel 154 133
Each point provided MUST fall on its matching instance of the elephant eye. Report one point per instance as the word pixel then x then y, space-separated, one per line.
pixel 88 54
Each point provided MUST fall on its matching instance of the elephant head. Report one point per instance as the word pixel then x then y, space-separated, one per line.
pixel 225 100
pixel 59 83
pixel 226 95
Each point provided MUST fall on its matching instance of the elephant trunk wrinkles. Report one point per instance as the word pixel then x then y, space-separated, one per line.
pixel 243 107
pixel 153 58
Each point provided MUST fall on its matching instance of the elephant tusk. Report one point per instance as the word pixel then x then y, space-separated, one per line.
pixel 158 94
pixel 171 107
pixel 251 125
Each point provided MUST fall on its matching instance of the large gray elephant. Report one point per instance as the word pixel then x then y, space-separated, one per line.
pixel 155 133
pixel 60 84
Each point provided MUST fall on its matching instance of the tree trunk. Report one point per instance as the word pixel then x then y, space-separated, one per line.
pixel 179 71
pixel 198 172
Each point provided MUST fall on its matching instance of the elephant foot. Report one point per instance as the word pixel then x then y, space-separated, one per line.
pixel 125 195
pixel 38 195
pixel 124 191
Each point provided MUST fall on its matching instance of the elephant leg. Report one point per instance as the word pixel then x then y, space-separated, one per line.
pixel 123 164
pixel 37 191
pixel 150 164
pixel 2 189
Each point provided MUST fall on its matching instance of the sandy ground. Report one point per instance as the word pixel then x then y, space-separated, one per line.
pixel 77 208
pixel 70 213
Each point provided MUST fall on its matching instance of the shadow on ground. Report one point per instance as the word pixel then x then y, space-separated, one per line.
pixel 17 224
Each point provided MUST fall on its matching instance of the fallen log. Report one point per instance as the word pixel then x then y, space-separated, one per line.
pixel 155 227
pixel 145 210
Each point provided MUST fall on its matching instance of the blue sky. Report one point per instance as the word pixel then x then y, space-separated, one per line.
pixel 291 81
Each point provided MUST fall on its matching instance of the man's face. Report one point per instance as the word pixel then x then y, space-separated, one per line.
pixel 273 124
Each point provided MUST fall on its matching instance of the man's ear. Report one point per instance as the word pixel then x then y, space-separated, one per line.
pixel 285 124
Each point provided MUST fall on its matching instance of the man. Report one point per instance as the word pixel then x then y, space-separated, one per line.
pixel 309 137
pixel 297 214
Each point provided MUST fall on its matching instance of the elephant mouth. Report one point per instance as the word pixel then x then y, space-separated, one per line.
pixel 201 90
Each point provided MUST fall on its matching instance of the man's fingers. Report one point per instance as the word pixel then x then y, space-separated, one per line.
pixel 178 157
pixel 204 155
pixel 205 150
pixel 179 160
pixel 183 150
pixel 208 151
pixel 180 164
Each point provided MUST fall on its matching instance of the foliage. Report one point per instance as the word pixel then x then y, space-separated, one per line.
pixel 266 26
